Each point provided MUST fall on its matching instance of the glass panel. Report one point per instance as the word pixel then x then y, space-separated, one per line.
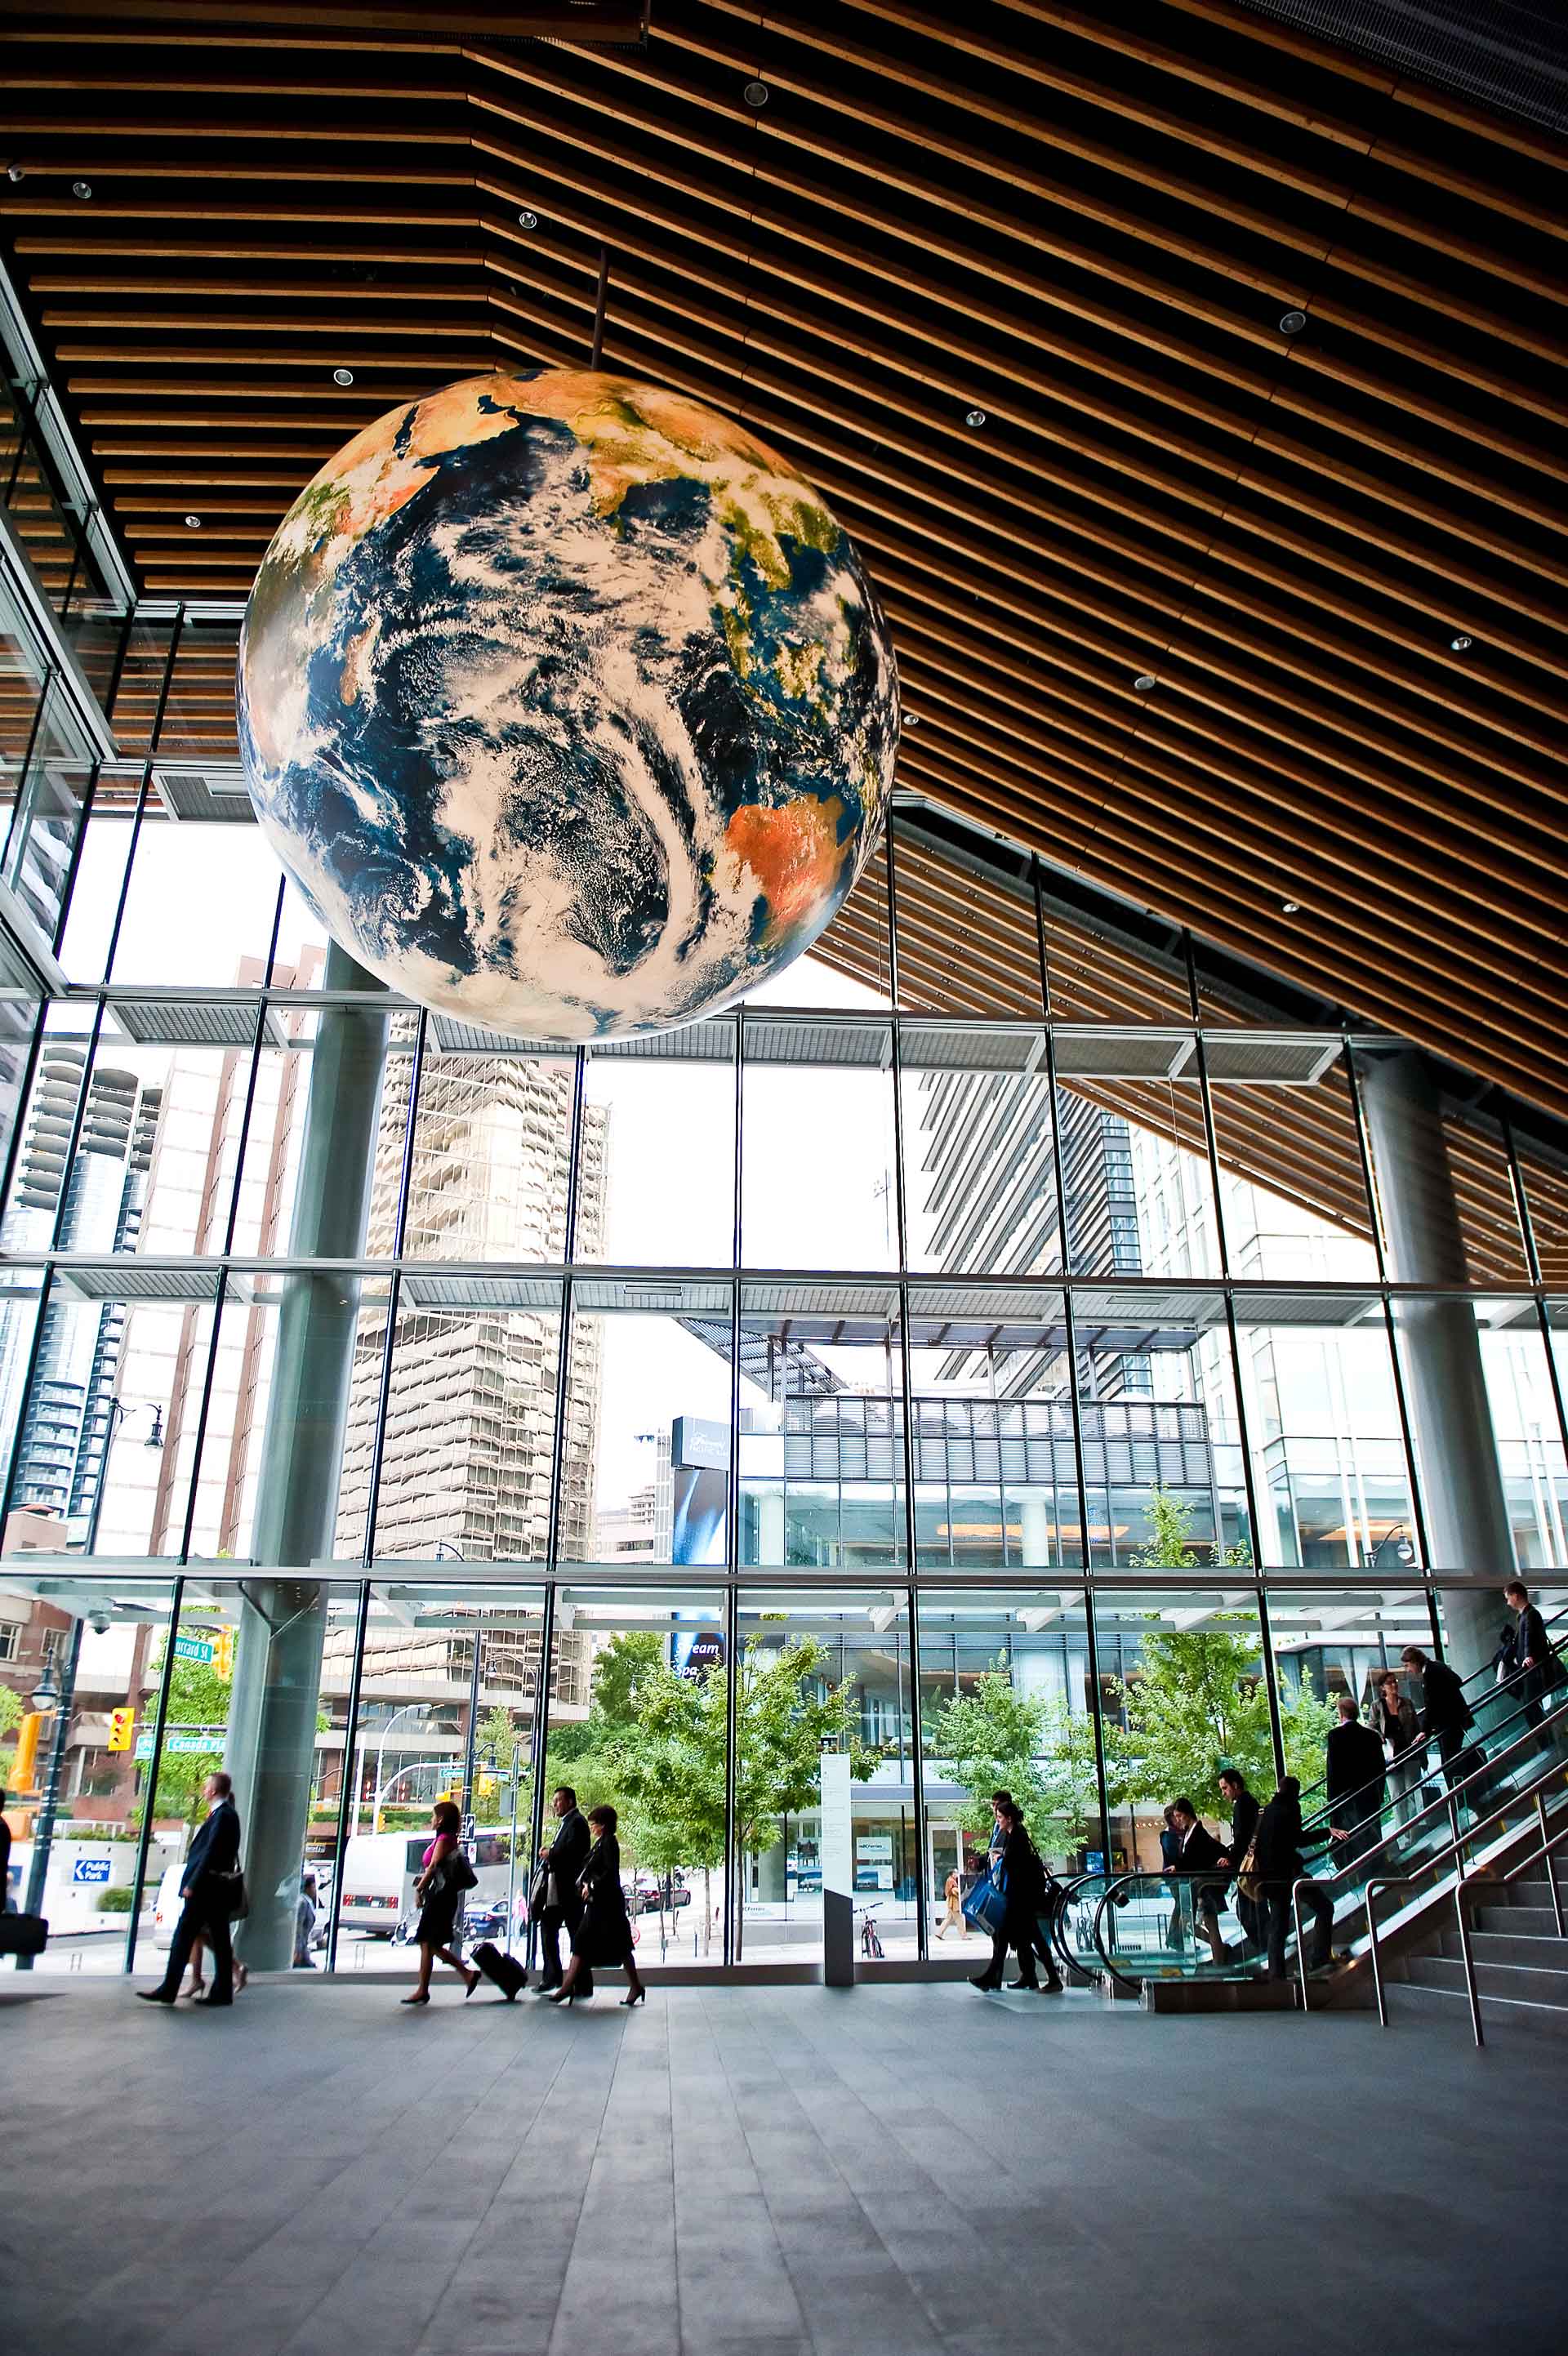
pixel 81 1657
pixel 413 1747
pixel 1527 1433
pixel 39 1180
pixel 470 1427
pixel 638 1720
pixel 1156 1390
pixel 647 1464
pixel 491 1144
pixel 198 718
pixel 1444 1186
pixel 1096 978
pixel 822 1425
pixel 978 1182
pixel 1293 1198
pixel 1134 1162
pixel 657 1185
pixel 824 1798
pixel 995 1481
pixel 1005 1704
pixel 1323 1418
pixel 807 1082
pixel 968 943
pixel 49 794
pixel 223 882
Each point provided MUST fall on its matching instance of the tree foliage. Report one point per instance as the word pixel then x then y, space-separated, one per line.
pixel 10 1714
pixel 996 1739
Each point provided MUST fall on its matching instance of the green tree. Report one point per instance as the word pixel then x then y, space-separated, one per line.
pixel 197 1695
pixel 996 1739
pixel 666 1761
pixel 10 1714
pixel 1197 1701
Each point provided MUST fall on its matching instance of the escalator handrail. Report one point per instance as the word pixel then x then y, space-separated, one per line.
pixel 1125 1884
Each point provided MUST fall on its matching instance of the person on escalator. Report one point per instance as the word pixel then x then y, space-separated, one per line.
pixel 1276 1850
pixel 1393 1720
pixel 1446 1716
pixel 1357 1770
pixel 1245 1809
pixel 1200 1860
pixel 1534 1669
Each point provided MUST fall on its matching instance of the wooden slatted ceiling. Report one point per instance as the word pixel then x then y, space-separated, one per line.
pixel 1087 223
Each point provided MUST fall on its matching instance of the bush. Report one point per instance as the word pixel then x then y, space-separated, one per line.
pixel 115 1902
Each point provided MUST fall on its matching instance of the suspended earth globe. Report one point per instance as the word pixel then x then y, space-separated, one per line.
pixel 566 704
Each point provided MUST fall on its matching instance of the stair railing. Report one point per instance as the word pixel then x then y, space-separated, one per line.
pixel 1551 1842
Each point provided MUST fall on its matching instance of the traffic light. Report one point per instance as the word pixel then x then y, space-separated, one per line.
pixel 122 1729
pixel 223 1658
pixel 487 1787
pixel 24 1771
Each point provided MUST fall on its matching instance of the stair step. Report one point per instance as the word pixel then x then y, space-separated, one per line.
pixel 1505 2014
pixel 1519 1980
pixel 1500 1942
pixel 1520 1921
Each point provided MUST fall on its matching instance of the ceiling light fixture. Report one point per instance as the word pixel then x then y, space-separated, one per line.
pixel 976 418
pixel 1143 681
pixel 1293 323
pixel 1289 907
pixel 911 720
pixel 1461 645
pixel 193 523
pixel 756 93
pixel 342 376
pixel 15 171
pixel 82 189
pixel 528 221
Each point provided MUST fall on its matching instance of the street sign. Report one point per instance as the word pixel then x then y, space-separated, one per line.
pixel 89 1868
pixel 183 1741
pixel 193 1648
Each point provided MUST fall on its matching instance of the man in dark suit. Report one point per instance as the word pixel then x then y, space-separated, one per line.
pixel 1244 1809
pixel 564 1861
pixel 1199 1854
pixel 1446 1717
pixel 1533 1666
pixel 206 1888
pixel 1357 1773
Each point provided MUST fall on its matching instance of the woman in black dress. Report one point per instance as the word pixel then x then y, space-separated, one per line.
pixel 603 1934
pixel 438 1896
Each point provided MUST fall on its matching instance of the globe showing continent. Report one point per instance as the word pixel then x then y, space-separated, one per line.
pixel 566 704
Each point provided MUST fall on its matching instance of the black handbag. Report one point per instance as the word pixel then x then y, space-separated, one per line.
pixel 232 1900
pixel 460 1874
pixel 23 1934
pixel 539 1891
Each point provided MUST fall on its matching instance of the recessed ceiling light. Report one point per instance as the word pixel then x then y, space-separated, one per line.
pixel 1143 681
pixel 1293 323
pixel 1289 907
pixel 342 376
pixel 1461 645
pixel 528 221
pixel 82 189
pixel 15 171
pixel 756 93
pixel 911 720
pixel 193 523
pixel 974 417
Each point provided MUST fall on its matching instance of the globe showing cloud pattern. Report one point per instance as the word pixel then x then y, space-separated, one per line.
pixel 566 704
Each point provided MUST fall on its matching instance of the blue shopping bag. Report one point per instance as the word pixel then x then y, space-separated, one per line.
pixel 986 1904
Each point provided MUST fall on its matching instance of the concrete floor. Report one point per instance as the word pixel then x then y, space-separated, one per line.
pixel 898 2171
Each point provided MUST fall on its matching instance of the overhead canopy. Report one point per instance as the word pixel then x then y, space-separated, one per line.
pixel 1268 337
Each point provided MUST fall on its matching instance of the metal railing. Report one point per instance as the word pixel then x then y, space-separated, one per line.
pixel 1551 1842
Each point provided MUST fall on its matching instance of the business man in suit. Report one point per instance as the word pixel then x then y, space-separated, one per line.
pixel 206 1892
pixel 1200 1854
pixel 1356 1773
pixel 1533 1666
pixel 564 1861
pixel 1446 1716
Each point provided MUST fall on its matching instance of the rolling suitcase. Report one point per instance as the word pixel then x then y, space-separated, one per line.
pixel 505 1970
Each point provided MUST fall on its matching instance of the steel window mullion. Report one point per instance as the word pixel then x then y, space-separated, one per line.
pixel 155 1763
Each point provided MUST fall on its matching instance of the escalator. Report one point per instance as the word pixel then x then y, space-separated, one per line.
pixel 1151 1927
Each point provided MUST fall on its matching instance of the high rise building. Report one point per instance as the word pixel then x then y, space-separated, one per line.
pixel 66 1426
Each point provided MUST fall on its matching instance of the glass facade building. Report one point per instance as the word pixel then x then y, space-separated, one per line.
pixel 1011 1290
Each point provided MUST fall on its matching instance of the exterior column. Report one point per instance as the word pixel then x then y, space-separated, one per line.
pixel 1451 1416
pixel 271 1749
pixel 1036 1516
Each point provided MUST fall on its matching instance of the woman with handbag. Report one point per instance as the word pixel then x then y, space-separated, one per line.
pixel 444 1874
pixel 1021 1878
pixel 603 1934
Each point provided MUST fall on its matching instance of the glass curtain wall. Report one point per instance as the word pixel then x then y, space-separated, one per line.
pixel 789 1430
